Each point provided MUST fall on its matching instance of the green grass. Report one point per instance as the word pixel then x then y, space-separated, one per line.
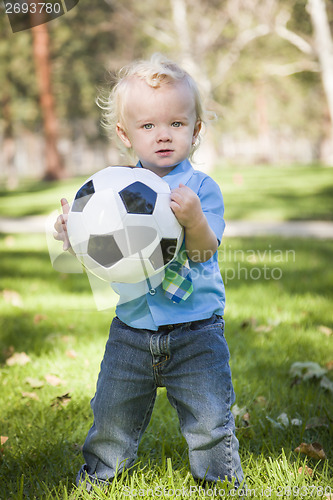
pixel 279 296
pixel 251 193
pixel 277 193
pixel 36 197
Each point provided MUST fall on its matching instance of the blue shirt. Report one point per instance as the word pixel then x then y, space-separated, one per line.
pixel 143 305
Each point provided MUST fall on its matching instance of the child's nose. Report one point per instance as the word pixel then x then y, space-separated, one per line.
pixel 163 135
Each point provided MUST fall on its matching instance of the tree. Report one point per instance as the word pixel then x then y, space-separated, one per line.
pixel 318 49
pixel 324 49
pixel 41 49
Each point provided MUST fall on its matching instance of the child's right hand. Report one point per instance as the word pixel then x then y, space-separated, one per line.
pixel 61 226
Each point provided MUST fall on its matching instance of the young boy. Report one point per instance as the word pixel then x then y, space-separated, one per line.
pixel 155 110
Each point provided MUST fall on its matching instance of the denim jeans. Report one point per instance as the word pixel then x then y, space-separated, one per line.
pixel 192 361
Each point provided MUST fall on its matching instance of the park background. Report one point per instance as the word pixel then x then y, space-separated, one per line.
pixel 265 69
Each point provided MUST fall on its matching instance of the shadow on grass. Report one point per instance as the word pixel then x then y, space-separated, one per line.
pixel 269 325
pixel 293 266
pixel 52 438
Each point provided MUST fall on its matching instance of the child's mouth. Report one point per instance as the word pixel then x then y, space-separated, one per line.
pixel 164 152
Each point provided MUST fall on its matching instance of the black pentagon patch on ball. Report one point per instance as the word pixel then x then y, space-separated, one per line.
pixel 134 239
pixel 138 198
pixel 104 249
pixel 167 247
pixel 83 196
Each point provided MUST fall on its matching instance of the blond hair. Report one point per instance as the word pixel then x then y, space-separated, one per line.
pixel 155 72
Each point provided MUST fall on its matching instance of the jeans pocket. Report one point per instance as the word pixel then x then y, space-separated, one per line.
pixel 206 324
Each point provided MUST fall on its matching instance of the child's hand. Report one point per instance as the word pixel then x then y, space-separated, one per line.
pixel 186 206
pixel 61 226
pixel 200 240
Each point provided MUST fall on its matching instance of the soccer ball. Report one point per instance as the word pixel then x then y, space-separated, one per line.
pixel 121 227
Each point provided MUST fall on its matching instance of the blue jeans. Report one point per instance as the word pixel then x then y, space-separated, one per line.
pixel 192 361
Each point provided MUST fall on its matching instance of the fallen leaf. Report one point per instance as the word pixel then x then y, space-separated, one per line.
pixel 329 365
pixel 252 322
pixel 71 354
pixel 326 384
pixel 283 419
pixel 246 419
pixel 18 358
pixel 307 370
pixel 9 241
pixel 275 424
pixel 39 317
pixel 53 380
pixel 261 401
pixel 307 471
pixel 312 450
pixel 237 411
pixel 35 383
pixel 3 440
pixel 12 297
pixel 325 330
pixel 315 422
pixel 263 329
pixel 30 395
pixel 62 400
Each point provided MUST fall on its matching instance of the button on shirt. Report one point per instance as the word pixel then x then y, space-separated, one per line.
pixel 143 305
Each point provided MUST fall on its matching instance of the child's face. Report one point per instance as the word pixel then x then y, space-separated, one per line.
pixel 160 124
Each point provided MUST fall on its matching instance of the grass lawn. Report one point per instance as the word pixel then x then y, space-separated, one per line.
pixel 252 193
pixel 279 311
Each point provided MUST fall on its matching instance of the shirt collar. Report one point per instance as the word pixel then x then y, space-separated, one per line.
pixel 180 174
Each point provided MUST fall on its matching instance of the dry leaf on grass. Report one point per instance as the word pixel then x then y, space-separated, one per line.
pixel 30 395
pixel 326 384
pixel 263 328
pixel 307 370
pixel 18 358
pixel 3 439
pixel 12 297
pixel 71 354
pixel 53 380
pixel 261 401
pixel 325 330
pixel 62 400
pixel 39 317
pixel 329 365
pixel 315 422
pixel 312 450
pixel 307 471
pixel 35 383
pixel 249 322
pixel 9 241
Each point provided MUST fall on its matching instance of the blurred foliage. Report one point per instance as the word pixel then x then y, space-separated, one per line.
pixel 231 47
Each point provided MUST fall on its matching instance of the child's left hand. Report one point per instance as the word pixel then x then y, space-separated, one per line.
pixel 200 240
pixel 186 206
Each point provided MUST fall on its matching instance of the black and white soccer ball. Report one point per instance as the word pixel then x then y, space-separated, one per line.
pixel 121 227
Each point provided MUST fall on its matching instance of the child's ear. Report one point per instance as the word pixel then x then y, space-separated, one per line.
pixel 196 131
pixel 121 133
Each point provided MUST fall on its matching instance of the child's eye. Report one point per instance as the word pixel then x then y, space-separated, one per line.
pixel 177 124
pixel 148 126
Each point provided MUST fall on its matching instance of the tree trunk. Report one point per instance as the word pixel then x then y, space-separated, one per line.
pixel 41 49
pixel 9 143
pixel 324 49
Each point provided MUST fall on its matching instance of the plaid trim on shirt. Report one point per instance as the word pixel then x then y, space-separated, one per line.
pixel 177 281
